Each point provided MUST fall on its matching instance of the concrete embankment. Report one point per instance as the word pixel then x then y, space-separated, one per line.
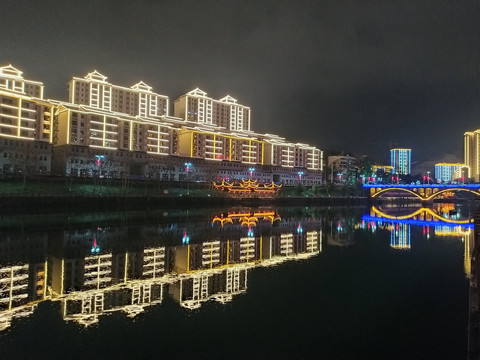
pixel 62 203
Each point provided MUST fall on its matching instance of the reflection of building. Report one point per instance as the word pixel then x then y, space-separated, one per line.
pixel 440 217
pixel 14 286
pixel 468 242
pixel 21 286
pixel 341 233
pixel 219 285
pixel 400 236
pixel 401 160
pixel 91 274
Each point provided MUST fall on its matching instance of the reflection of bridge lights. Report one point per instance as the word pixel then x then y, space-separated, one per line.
pixel 185 238
pixel 95 248
pixel 299 229
pixel 250 232
pixel 415 222
pixel 339 226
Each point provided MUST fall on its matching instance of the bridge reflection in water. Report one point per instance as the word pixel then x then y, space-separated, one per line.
pixel 91 276
pixel 104 267
pixel 444 220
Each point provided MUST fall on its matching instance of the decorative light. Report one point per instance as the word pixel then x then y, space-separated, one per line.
pixel 299 229
pixel 99 158
pixel 185 238
pixel 95 248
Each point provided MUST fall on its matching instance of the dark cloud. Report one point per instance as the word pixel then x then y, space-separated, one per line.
pixel 341 75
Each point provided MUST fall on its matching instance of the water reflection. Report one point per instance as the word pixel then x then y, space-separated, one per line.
pixel 105 268
pixel 443 219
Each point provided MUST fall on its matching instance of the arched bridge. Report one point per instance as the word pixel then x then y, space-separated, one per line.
pixel 422 192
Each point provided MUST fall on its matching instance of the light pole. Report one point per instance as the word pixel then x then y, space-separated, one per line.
pixel 187 169
pixel 251 170
pixel 98 160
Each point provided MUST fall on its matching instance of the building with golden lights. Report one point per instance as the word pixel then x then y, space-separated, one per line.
pixel 107 130
pixel 195 106
pixel 471 153
pixel 26 125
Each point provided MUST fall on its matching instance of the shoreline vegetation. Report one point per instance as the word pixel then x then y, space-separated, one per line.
pixel 50 194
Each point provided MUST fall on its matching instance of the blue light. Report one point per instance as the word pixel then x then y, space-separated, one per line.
pixel 414 186
pixel 299 229
pixel 185 238
pixel 415 222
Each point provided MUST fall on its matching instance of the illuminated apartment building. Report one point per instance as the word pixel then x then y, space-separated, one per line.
pixel 197 107
pixel 279 152
pixel 471 153
pixel 106 130
pixel 26 125
pixel 401 160
pixel 342 168
pixel 381 170
pixel 112 127
pixel 447 172
pixel 138 100
pixel 214 145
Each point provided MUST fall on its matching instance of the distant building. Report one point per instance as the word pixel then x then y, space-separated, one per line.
pixel 448 172
pixel 471 153
pixel 401 160
pixel 381 172
pixel 342 168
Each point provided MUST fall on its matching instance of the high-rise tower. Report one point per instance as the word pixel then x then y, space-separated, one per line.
pixel 400 160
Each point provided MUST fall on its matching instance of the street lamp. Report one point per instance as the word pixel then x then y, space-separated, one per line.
pixel 251 170
pixel 98 160
pixel 188 166
pixel 185 238
pixel 300 173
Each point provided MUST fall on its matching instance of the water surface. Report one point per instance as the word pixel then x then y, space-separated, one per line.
pixel 329 283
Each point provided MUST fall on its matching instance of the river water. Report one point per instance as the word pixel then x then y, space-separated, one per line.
pixel 249 283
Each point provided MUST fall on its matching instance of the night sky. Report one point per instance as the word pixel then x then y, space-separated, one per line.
pixel 352 76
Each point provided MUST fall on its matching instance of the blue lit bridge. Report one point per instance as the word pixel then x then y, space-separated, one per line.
pixel 423 192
